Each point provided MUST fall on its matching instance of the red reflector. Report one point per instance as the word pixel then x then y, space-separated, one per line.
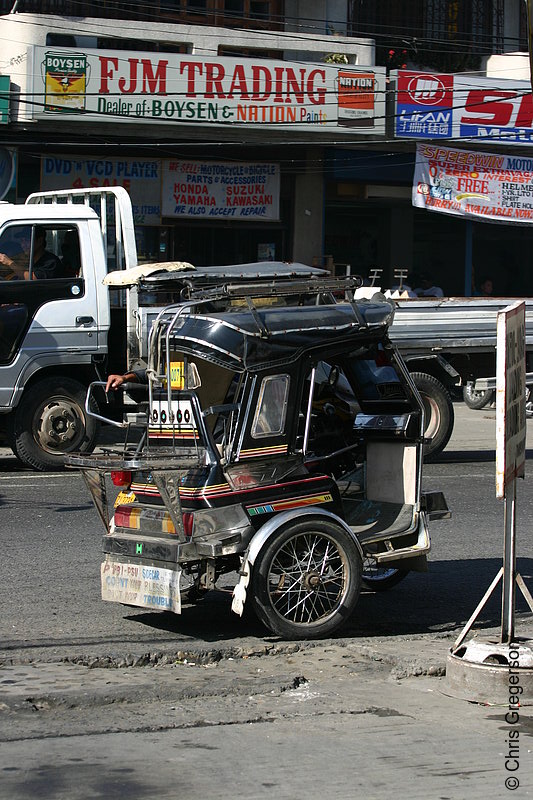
pixel 188 519
pixel 122 516
pixel 121 478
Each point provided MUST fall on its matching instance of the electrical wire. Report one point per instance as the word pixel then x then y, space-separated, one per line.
pixel 421 42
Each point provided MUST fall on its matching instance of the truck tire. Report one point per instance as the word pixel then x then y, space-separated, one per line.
pixel 439 414
pixel 50 422
pixel 477 398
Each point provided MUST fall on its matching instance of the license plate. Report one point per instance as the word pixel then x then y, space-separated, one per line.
pixel 123 498
pixel 144 586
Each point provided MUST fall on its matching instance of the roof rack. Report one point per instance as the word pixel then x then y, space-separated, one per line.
pixel 277 287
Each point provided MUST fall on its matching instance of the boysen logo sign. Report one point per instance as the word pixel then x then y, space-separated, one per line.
pixel 65 81
pixel 479 109
pixel 220 91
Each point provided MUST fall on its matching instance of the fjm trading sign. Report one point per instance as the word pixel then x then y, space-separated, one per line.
pixel 149 87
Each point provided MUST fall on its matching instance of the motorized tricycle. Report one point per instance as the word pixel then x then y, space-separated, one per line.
pixel 282 445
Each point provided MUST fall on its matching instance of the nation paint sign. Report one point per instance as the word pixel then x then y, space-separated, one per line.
pixel 510 395
pixel 437 106
pixel 482 186
pixel 154 87
pixel 141 179
pixel 210 190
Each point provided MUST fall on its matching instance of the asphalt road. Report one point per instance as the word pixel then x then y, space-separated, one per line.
pixel 103 701
pixel 51 539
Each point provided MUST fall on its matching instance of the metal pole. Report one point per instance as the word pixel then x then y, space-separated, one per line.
pixel 509 564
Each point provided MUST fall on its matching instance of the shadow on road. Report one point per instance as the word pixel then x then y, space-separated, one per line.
pixel 439 601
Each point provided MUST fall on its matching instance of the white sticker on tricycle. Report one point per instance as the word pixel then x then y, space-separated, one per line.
pixel 144 586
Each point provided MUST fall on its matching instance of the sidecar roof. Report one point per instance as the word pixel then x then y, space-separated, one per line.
pixel 254 338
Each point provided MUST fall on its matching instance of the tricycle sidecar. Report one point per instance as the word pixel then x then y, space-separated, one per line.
pixel 283 444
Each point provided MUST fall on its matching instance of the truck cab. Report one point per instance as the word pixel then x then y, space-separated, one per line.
pixel 55 317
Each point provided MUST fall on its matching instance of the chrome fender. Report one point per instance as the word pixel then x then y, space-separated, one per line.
pixel 265 533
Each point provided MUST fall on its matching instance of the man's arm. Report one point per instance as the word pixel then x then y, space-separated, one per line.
pixel 115 381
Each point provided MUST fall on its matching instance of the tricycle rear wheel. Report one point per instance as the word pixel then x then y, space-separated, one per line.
pixel 306 580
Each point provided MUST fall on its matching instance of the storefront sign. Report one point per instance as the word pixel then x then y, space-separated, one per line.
pixel 424 105
pixel 207 190
pixel 142 179
pixel 4 99
pixel 489 109
pixel 477 109
pixel 133 86
pixel 484 186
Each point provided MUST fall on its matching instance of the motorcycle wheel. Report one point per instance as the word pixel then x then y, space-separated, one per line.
pixel 306 580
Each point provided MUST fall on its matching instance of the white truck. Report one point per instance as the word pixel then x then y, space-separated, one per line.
pixel 450 343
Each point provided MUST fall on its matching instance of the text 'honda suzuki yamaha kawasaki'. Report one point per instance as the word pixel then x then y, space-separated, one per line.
pixel 282 444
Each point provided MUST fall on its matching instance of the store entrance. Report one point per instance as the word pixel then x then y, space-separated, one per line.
pixel 204 246
pixel 357 235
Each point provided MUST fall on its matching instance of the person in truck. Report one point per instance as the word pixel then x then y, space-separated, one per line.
pixel 15 266
pixel 14 260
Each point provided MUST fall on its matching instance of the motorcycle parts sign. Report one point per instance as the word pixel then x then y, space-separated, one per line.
pixel 436 106
pixel 211 190
pixel 482 186
pixel 170 88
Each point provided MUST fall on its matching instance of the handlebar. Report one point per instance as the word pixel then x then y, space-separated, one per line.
pixel 99 417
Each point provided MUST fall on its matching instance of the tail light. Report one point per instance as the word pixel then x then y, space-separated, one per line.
pixel 121 478
pixel 188 520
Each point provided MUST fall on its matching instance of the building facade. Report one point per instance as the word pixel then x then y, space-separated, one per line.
pixel 247 130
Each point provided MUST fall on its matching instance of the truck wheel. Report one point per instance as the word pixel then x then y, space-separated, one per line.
pixel 50 421
pixel 439 414
pixel 476 398
pixel 306 580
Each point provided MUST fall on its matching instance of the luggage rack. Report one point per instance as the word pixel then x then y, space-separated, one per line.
pixel 128 460
pixel 169 317
pixel 166 472
pixel 275 288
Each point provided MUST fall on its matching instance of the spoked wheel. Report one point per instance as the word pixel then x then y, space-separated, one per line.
pixel 307 579
pixel 379 578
